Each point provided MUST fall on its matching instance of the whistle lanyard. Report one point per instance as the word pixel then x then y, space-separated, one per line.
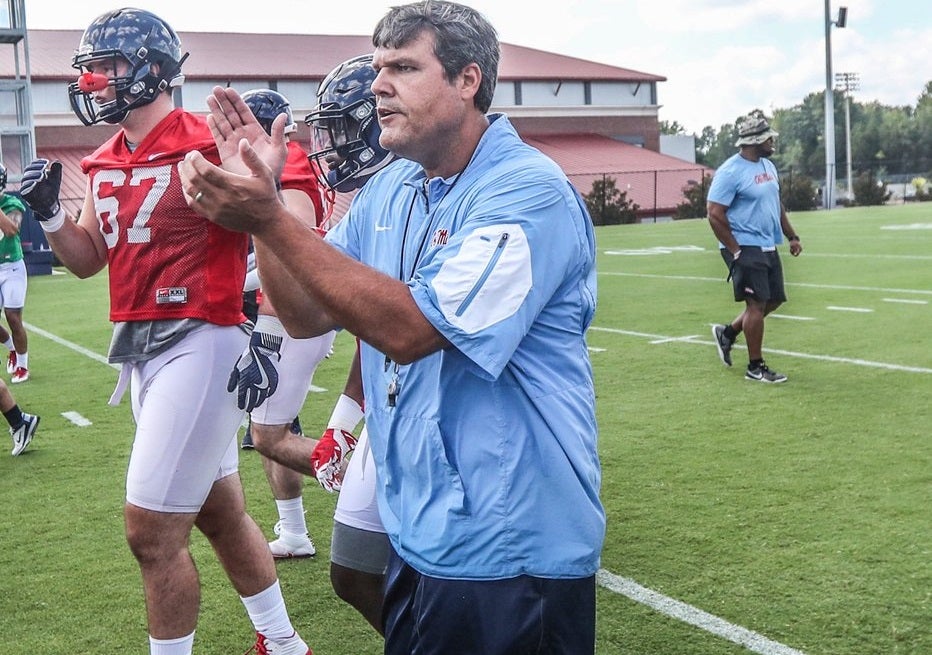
pixel 394 385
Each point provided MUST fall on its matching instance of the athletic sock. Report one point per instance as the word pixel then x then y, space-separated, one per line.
pixel 22 360
pixel 730 333
pixel 755 364
pixel 291 513
pixel 9 344
pixel 267 612
pixel 179 646
pixel 14 416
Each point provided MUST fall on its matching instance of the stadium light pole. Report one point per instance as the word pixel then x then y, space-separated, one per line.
pixel 828 194
pixel 849 82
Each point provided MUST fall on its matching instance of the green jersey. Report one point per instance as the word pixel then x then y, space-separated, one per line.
pixel 10 248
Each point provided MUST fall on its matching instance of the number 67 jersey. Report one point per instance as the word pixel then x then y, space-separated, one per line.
pixel 166 261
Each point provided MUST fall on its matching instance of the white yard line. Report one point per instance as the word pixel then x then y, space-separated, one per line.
pixel 844 287
pixel 792 318
pixel 906 301
pixel 686 613
pixel 71 345
pixel 77 419
pixel 859 310
pixel 789 353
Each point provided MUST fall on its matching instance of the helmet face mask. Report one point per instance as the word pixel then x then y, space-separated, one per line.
pixel 142 57
pixel 344 127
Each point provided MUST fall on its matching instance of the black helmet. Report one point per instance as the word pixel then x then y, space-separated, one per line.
pixel 345 124
pixel 266 105
pixel 138 38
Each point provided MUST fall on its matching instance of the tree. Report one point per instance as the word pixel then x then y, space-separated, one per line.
pixel 903 133
pixel 695 194
pixel 608 205
pixel 868 190
pixel 668 127
pixel 798 192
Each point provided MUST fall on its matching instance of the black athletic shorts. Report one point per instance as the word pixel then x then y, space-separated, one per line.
pixel 757 275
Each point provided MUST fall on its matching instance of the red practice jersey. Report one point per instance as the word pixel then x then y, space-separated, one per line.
pixel 166 260
pixel 298 174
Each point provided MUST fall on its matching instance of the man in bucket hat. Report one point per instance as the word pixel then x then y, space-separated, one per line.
pixel 750 221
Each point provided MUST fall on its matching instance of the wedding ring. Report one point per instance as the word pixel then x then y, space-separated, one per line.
pixel 198 196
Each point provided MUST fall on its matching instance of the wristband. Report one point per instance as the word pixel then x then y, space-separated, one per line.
pixel 54 223
pixel 346 415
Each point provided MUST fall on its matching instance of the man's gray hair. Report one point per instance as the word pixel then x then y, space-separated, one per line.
pixel 462 36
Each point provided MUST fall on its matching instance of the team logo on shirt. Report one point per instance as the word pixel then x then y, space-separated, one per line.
pixel 171 295
pixel 440 237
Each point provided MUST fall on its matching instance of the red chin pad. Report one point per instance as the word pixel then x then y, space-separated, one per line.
pixel 90 82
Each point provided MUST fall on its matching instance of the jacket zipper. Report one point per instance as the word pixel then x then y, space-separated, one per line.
pixel 499 249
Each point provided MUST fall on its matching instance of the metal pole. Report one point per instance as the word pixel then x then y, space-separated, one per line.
pixel 828 195
pixel 848 142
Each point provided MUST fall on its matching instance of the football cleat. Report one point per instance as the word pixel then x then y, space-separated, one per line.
pixel 22 436
pixel 20 375
pixel 294 645
pixel 289 546
pixel 11 362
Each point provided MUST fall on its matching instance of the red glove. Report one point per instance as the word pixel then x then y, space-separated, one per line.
pixel 327 458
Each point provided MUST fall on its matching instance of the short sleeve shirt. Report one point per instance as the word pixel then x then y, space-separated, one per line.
pixel 751 192
pixel 487 462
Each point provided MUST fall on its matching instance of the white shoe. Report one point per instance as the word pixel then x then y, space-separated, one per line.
pixel 289 546
pixel 22 436
pixel 292 646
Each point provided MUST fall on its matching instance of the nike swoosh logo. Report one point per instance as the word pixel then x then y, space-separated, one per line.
pixel 156 155
pixel 382 228
pixel 263 380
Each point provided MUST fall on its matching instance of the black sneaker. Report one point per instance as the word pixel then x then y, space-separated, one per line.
pixel 722 344
pixel 764 374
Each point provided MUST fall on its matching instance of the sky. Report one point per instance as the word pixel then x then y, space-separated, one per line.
pixel 721 58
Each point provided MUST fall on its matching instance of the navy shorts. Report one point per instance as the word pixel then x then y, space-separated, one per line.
pixel 757 275
pixel 516 616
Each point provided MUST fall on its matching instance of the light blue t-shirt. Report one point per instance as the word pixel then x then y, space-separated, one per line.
pixel 487 464
pixel 751 191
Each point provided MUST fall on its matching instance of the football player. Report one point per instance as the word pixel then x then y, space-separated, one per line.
pixel 176 285
pixel 345 146
pixel 274 374
pixel 13 282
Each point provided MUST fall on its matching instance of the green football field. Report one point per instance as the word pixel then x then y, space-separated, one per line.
pixel 742 517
